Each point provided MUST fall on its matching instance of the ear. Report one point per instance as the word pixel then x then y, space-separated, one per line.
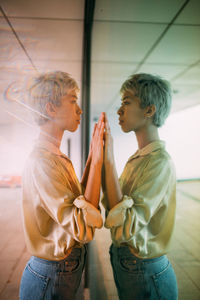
pixel 50 109
pixel 150 111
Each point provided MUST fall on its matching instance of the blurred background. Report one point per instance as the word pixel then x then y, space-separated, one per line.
pixel 100 43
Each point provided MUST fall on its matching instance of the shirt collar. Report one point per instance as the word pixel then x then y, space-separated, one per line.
pixel 48 146
pixel 148 149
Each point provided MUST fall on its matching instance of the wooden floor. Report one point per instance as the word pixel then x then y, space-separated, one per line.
pixel 13 254
pixel 184 255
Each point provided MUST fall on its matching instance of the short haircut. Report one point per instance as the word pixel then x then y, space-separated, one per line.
pixel 151 90
pixel 45 88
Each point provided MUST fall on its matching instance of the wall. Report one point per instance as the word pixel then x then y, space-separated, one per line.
pixel 181 133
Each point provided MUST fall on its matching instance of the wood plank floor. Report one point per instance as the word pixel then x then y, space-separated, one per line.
pixel 184 254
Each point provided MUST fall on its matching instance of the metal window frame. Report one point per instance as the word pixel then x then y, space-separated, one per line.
pixel 86 76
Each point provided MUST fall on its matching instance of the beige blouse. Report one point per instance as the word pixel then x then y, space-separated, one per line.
pixel 144 219
pixel 56 215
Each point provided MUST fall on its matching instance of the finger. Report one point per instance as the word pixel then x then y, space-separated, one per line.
pixel 106 120
pixel 102 129
pixel 95 127
pixel 102 116
pixel 93 134
pixel 107 127
pixel 100 132
pixel 99 123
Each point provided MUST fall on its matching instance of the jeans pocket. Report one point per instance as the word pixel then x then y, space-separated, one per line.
pixel 67 281
pixel 72 265
pixel 128 264
pixel 33 285
pixel 165 284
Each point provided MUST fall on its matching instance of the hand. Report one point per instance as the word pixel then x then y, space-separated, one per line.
pixel 97 141
pixel 108 143
pixel 91 143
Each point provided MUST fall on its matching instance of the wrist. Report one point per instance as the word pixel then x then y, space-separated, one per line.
pixel 88 162
pixel 109 163
pixel 96 164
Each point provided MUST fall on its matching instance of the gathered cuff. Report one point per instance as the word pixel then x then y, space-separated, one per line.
pixel 117 214
pixel 92 215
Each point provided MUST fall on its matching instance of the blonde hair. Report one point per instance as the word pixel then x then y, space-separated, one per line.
pixel 48 87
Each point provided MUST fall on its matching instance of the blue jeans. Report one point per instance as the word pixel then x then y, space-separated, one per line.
pixel 137 278
pixel 49 280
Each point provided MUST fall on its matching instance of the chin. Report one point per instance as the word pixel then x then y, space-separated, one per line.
pixel 73 129
pixel 126 130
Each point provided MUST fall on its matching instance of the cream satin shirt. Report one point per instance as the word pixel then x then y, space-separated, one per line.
pixel 55 213
pixel 144 219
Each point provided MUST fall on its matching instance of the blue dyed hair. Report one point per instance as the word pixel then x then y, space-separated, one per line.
pixel 151 90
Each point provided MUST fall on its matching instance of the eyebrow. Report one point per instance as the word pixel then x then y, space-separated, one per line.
pixel 74 96
pixel 125 98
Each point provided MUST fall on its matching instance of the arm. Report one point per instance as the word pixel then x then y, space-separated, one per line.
pixel 88 163
pixel 92 191
pixel 86 171
pixel 110 182
pixel 149 208
pixel 52 197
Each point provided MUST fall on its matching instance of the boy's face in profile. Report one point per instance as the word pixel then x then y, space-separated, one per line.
pixel 67 115
pixel 131 115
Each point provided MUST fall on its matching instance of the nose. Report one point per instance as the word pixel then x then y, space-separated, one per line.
pixel 79 110
pixel 120 111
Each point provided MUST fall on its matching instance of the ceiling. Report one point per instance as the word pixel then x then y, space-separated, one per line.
pixel 155 36
pixel 37 36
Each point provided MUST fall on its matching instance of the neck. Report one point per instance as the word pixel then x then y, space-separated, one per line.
pixel 51 133
pixel 147 135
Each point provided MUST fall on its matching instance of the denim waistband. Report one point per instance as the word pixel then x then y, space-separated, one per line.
pixel 125 250
pixel 74 252
pixel 50 267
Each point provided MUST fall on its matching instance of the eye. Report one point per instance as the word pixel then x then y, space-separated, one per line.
pixel 125 103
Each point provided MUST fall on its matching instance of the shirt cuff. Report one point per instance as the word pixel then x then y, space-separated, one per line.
pixel 117 214
pixel 91 214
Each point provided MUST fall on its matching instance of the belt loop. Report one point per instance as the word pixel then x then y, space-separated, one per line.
pixel 82 252
pixel 61 266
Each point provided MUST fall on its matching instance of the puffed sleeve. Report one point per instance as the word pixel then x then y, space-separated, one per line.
pixel 55 196
pixel 149 207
